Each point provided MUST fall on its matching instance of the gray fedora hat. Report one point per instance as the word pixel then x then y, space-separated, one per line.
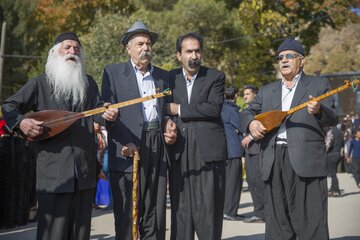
pixel 138 27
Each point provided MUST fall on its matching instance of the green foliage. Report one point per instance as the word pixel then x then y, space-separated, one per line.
pixel 241 37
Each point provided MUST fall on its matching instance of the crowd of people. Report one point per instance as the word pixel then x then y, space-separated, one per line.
pixel 190 143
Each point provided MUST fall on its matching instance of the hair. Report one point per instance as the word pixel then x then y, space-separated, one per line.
pixel 230 92
pixel 251 87
pixel 193 35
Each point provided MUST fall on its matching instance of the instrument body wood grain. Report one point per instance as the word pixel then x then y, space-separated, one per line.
pixel 56 121
pixel 272 119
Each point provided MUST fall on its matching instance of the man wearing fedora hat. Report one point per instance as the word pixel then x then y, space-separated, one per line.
pixel 65 177
pixel 292 156
pixel 139 127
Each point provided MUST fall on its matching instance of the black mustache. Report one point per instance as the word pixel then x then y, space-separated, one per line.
pixel 194 63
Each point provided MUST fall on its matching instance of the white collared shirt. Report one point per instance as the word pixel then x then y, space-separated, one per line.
pixel 287 95
pixel 146 87
pixel 189 86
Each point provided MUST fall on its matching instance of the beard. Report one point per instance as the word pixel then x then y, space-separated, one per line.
pixel 66 76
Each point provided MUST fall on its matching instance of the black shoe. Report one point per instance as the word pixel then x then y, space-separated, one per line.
pixel 253 219
pixel 233 217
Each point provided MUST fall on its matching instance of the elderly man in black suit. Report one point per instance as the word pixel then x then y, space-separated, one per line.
pixel 65 179
pixel 139 127
pixel 293 158
pixel 197 176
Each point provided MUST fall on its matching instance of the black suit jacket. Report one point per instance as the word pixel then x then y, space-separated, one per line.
pixel 305 133
pixel 58 156
pixel 203 113
pixel 119 84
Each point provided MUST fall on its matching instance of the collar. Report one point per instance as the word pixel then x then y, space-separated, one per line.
pixel 294 81
pixel 185 76
pixel 136 69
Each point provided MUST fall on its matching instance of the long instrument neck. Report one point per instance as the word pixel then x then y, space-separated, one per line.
pixel 319 98
pixel 124 104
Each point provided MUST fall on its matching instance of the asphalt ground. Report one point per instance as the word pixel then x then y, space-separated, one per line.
pixel 344 219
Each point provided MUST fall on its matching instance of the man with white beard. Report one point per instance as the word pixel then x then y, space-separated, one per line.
pixel 66 162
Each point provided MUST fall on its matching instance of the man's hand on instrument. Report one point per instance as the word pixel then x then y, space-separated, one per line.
pixel 257 130
pixel 129 150
pixel 172 109
pixel 31 127
pixel 246 141
pixel 111 113
pixel 313 106
pixel 170 133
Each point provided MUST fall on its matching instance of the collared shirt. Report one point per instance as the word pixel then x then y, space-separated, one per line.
pixel 189 85
pixel 287 95
pixel 146 87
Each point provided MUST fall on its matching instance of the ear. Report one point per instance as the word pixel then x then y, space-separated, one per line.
pixel 302 63
pixel 128 49
pixel 178 55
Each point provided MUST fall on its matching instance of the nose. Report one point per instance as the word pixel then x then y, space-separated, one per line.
pixel 72 50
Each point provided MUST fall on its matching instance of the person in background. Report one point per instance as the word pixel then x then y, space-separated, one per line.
pixel 334 144
pixel 252 160
pixel 354 154
pixel 142 127
pixel 197 170
pixel 233 168
pixel 293 155
pixel 66 172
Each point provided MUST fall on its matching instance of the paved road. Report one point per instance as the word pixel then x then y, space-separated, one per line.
pixel 344 219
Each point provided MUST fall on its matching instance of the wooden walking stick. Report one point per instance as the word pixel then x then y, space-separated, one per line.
pixel 56 121
pixel 135 195
pixel 272 119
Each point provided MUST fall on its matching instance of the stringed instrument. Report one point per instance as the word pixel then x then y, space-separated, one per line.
pixel 56 121
pixel 272 119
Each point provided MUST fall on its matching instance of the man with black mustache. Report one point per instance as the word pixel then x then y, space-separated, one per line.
pixel 197 173
pixel 140 127
pixel 66 163
pixel 293 155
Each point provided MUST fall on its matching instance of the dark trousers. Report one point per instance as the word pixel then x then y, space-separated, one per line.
pixel 152 191
pixel 64 216
pixel 355 168
pixel 197 193
pixel 121 188
pixel 256 184
pixel 333 160
pixel 233 186
pixel 153 186
pixel 294 206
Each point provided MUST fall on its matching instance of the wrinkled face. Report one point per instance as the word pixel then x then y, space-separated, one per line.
pixel 70 47
pixel 249 96
pixel 190 56
pixel 291 66
pixel 139 48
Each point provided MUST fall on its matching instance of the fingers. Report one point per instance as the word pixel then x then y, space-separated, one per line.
pixel 170 137
pixel 257 130
pixel 313 107
pixel 129 150
pixel 31 127
pixel 111 113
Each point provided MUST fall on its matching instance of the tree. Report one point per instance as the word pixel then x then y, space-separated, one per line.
pixel 337 51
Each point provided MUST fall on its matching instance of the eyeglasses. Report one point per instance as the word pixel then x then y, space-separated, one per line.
pixel 288 56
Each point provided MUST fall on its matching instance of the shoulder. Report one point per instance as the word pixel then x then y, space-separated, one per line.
pixel 212 71
pixel 176 71
pixel 161 71
pixel 115 66
pixel 270 86
pixel 311 79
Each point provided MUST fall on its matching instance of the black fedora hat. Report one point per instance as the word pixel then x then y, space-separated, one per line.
pixel 138 27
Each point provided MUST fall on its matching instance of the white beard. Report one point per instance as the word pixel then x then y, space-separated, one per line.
pixel 66 77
